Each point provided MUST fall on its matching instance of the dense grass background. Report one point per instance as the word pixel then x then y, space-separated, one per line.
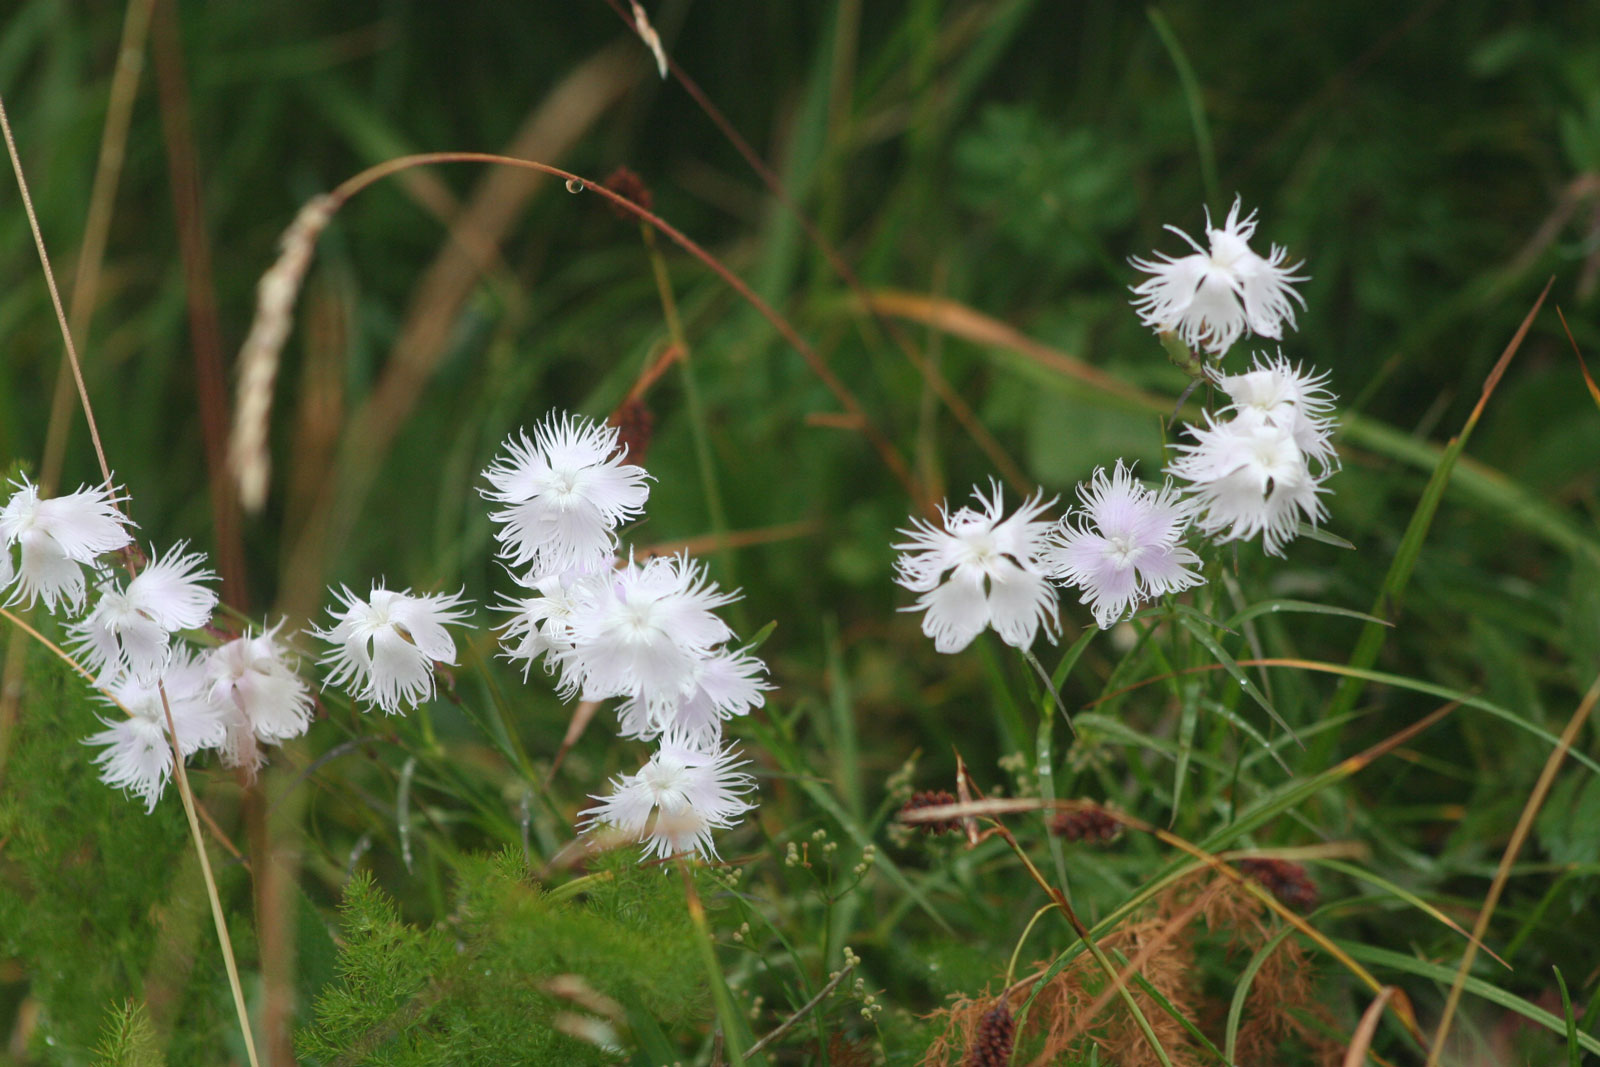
pixel 1434 164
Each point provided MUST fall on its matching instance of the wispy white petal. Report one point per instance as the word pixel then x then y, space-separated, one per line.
pixel 1210 298
pixel 975 569
pixel 385 646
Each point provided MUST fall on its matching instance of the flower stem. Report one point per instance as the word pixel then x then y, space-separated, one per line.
pixel 727 1013
pixel 1049 687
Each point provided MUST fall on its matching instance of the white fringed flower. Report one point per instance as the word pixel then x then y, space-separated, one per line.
pixel 267 701
pixel 566 492
pixel 726 684
pixel 643 633
pixel 385 646
pixel 541 624
pixel 994 573
pixel 1123 546
pixel 57 537
pixel 130 625
pixel 1209 298
pixel 137 753
pixel 1249 477
pixel 1282 394
pixel 690 791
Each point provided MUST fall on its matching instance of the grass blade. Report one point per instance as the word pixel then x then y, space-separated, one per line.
pixel 1365 654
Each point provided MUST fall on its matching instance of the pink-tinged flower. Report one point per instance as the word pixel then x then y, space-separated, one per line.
pixel 130 625
pixel 676 800
pixel 1123 546
pixel 1283 395
pixel 1249 477
pixel 566 492
pixel 726 684
pixel 57 537
pixel 385 646
pixel 643 633
pixel 1209 298
pixel 137 752
pixel 975 570
pixel 253 677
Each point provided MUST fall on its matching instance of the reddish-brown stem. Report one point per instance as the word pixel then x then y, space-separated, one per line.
pixel 1004 464
pixel 875 436
pixel 205 329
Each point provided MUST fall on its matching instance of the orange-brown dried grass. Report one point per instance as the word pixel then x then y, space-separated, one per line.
pixel 1078 1008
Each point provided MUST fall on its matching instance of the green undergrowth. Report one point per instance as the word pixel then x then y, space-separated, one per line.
pixel 497 980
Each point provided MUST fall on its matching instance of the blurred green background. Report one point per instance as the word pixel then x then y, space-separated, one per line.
pixel 1433 163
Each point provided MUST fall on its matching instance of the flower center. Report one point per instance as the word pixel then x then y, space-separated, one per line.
pixel 1122 550
pixel 1226 249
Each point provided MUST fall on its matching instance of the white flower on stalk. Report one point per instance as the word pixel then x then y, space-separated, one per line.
pixel 1123 546
pixel 57 537
pixel 1210 297
pixel 541 624
pixel 130 625
pixel 254 679
pixel 137 752
pixel 643 632
pixel 566 491
pixel 689 791
pixel 1249 477
pixel 385 646
pixel 1282 394
pixel 725 684
pixel 979 571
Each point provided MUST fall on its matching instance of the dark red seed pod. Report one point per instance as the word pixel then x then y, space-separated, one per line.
pixel 1287 881
pixel 625 183
pixel 1094 825
pixel 931 799
pixel 996 1036
pixel 636 427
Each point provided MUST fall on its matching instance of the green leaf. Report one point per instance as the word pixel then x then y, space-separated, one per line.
pixel 1382 957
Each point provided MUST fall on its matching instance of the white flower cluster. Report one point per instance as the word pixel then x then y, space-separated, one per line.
pixel 644 633
pixel 231 697
pixel 1256 466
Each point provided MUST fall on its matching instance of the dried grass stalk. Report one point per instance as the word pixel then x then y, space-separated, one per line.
pixel 249 458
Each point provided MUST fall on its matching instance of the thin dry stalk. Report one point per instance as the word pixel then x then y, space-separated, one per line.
pixel 1541 789
pixel 105 470
pixel 55 295
pixel 801 1012
pixel 1004 464
pixel 97 225
pixel 478 229
pixel 85 285
pixel 182 775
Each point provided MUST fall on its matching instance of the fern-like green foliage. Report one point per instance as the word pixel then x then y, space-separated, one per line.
pixel 98 900
pixel 129 1040
pixel 478 988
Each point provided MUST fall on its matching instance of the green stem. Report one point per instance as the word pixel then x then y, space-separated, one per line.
pixel 697 417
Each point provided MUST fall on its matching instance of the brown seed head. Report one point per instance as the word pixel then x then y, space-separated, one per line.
pixel 1287 881
pixel 625 183
pixel 1094 825
pixel 996 1036
pixel 932 799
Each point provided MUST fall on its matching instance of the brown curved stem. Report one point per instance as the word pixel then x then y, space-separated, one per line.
pixel 875 436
